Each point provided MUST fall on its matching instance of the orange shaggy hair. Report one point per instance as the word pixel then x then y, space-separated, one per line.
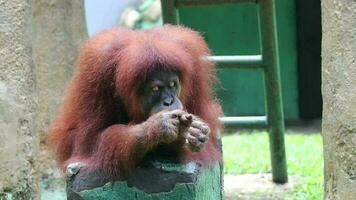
pixel 103 101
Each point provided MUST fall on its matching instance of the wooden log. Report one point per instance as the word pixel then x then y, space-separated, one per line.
pixel 155 180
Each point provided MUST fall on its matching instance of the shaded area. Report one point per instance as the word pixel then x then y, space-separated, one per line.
pixel 148 177
pixel 309 58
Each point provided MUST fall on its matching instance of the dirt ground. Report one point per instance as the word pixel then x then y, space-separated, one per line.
pixel 252 186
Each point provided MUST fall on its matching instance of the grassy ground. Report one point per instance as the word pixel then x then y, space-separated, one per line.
pixel 249 153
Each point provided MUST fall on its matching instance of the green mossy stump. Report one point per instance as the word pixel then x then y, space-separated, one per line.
pixel 153 181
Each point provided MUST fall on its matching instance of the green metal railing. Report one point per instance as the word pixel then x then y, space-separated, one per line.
pixel 268 61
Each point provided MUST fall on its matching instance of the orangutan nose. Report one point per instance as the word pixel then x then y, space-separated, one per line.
pixel 168 101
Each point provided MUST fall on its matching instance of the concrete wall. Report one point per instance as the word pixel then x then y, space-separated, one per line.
pixel 18 139
pixel 339 96
pixel 39 43
pixel 58 32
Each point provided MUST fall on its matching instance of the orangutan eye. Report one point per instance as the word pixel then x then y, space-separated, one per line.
pixel 155 89
pixel 172 84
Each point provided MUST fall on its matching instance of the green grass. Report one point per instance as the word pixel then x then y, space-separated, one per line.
pixel 249 153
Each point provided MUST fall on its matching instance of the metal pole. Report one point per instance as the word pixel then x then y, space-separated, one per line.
pixel 169 12
pixel 274 106
pixel 244 122
pixel 183 3
pixel 237 61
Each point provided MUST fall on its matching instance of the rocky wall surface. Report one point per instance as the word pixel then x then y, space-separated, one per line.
pixel 39 43
pixel 18 139
pixel 339 97
pixel 59 31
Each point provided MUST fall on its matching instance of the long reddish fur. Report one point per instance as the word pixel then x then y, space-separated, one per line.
pixel 102 104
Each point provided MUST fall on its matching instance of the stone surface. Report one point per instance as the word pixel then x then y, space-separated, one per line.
pixel 339 97
pixel 153 181
pixel 39 42
pixel 59 31
pixel 18 139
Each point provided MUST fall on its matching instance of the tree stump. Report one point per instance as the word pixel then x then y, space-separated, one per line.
pixel 154 180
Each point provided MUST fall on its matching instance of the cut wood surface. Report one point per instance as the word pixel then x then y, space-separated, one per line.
pixel 153 181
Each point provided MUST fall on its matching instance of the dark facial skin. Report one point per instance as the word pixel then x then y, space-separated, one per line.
pixel 161 92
